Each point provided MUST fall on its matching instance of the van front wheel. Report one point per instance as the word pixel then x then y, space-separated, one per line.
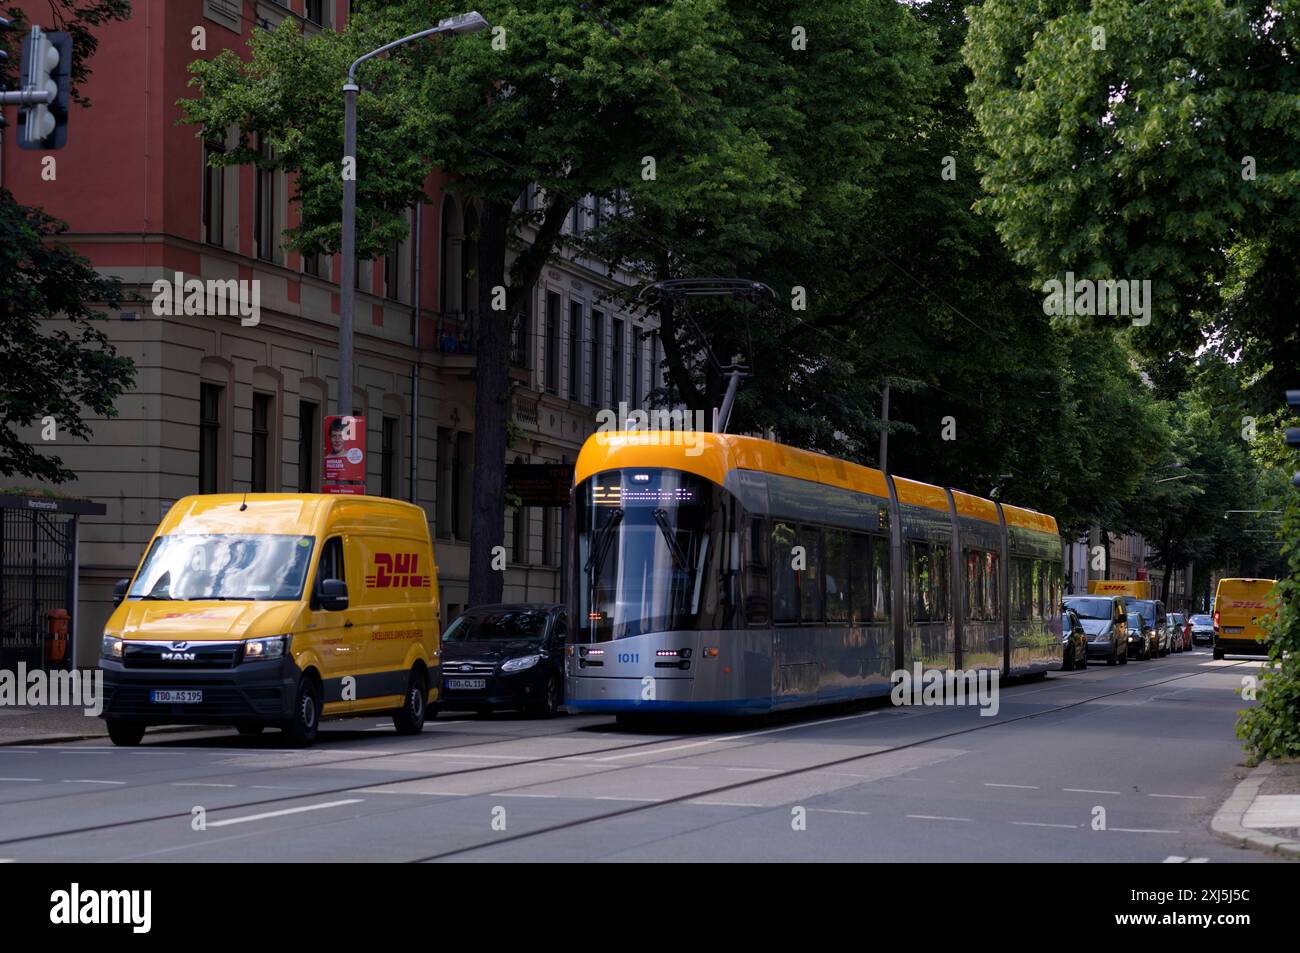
pixel 125 734
pixel 301 729
pixel 409 720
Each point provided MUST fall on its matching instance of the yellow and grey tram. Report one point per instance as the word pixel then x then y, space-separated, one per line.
pixel 717 573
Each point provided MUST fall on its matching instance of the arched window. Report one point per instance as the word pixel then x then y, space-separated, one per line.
pixel 469 263
pixel 448 251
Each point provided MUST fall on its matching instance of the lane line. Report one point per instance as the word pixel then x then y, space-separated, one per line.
pixel 1068 827
pixel 19 779
pixel 288 810
pixel 1141 830
pixel 828 810
pixel 89 781
pixel 199 784
pixel 1184 797
pixel 936 817
pixel 1027 787
pixel 1088 791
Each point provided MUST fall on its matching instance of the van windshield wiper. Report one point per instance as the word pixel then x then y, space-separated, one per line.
pixel 679 557
pixel 604 538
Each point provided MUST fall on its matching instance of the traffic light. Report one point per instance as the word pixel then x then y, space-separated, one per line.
pixel 47 66
pixel 5 24
pixel 1293 433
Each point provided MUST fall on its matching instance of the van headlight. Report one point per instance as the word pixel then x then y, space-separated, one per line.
pixel 274 647
pixel 519 664
pixel 111 647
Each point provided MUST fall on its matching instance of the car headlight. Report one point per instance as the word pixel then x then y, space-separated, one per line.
pixel 519 664
pixel 258 649
pixel 111 647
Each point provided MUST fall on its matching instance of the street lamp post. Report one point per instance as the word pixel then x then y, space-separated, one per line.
pixel 465 23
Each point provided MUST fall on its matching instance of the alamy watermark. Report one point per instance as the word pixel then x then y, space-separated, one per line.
pixel 36 688
pixel 1086 297
pixel 197 298
pixel 654 428
pixel 922 686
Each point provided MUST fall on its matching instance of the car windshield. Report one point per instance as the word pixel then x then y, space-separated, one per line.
pixel 1094 608
pixel 1146 608
pixel 228 566
pixel 498 625
pixel 1202 620
pixel 1134 621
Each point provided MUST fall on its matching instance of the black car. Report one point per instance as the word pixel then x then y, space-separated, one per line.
pixel 1154 617
pixel 1202 630
pixel 1074 641
pixel 505 656
pixel 1143 641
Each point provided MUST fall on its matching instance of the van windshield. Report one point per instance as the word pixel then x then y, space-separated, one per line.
pixel 1096 608
pixel 226 567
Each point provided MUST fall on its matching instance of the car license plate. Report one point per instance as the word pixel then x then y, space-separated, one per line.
pixel 466 684
pixel 1232 629
pixel 176 698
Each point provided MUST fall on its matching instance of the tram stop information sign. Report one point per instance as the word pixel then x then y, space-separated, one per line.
pixel 540 484
pixel 344 468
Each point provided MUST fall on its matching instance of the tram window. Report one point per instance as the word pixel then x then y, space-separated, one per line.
pixel 974 586
pixel 880 604
pixel 992 588
pixel 754 578
pixel 810 579
pixel 921 586
pixel 785 579
pixel 839 580
pixel 940 561
pixel 863 594
pixel 1036 589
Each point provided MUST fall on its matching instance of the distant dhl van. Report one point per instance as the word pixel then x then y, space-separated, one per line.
pixel 278 610
pixel 1241 606
pixel 1137 588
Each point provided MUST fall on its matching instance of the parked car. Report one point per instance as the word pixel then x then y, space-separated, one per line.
pixel 1202 629
pixel 1180 631
pixel 505 656
pixel 1104 620
pixel 1143 641
pixel 1153 615
pixel 1074 641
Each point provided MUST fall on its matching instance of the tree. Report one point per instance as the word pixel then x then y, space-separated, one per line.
pixel 1135 140
pixel 552 98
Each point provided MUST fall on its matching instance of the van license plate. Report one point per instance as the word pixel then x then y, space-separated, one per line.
pixel 466 684
pixel 1233 629
pixel 176 698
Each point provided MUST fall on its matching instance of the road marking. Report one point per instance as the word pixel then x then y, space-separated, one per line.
pixel 1141 830
pixel 275 787
pixel 507 794
pixel 727 804
pixel 1185 797
pixel 1177 859
pixel 1088 791
pixel 727 738
pixel 198 784
pixel 1027 787
pixel 1068 827
pixel 828 810
pixel 647 800
pixel 286 811
pixel 89 781
pixel 19 779
pixel 936 817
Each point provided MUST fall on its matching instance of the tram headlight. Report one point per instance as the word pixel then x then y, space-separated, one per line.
pixel 520 664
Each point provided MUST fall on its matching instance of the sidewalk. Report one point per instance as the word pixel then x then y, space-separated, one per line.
pixel 48 724
pixel 1264 809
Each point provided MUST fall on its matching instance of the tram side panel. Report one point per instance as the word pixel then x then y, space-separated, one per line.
pixel 979 594
pixel 929 632
pixel 1035 597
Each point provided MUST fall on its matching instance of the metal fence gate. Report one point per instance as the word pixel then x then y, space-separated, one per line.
pixel 38 574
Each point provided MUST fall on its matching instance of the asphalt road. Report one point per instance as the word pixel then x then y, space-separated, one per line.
pixel 1146 751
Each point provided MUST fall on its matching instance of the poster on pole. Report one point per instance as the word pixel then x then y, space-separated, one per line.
pixel 345 455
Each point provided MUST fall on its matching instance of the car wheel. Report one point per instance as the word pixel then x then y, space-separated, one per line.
pixel 1067 661
pixel 301 729
pixel 549 706
pixel 1124 658
pixel 125 734
pixel 1113 658
pixel 249 729
pixel 1218 655
pixel 1083 662
pixel 410 719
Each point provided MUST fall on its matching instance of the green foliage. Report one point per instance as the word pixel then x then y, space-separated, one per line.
pixel 1271 729
pixel 50 370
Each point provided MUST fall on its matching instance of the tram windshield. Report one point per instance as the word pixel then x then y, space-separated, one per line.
pixel 643 551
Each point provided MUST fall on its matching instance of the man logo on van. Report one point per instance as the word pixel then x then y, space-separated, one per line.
pixel 397 571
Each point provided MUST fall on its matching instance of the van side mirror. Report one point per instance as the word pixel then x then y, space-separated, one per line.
pixel 333 595
pixel 119 591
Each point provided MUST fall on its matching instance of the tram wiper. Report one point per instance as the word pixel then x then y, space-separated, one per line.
pixel 604 537
pixel 679 557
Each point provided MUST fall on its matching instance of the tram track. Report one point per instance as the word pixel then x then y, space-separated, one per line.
pixel 483 769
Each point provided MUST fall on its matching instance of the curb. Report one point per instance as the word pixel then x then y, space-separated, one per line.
pixel 62 739
pixel 1227 825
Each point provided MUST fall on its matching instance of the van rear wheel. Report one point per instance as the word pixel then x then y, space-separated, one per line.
pixel 409 720
pixel 125 734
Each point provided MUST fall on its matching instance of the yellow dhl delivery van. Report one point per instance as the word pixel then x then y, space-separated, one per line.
pixel 1241 607
pixel 276 609
pixel 1137 588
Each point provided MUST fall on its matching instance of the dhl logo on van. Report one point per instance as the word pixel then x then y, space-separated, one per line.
pixel 397 571
pixel 1235 604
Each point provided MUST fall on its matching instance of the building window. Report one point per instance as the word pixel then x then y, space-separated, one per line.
pixel 464 480
pixel 552 342
pixel 392 262
pixel 388 458
pixel 597 358
pixel 616 365
pixel 519 532
pixel 307 430
pixel 264 231
pixel 261 476
pixel 315 264
pixel 446 480
pixel 209 436
pixel 214 194
pixel 469 263
pixel 548 536
pixel 575 350
pixel 521 333
pixel 579 219
pixel 314 10
pixel 636 367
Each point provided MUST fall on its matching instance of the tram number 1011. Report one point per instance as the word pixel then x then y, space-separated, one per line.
pixel 629 656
